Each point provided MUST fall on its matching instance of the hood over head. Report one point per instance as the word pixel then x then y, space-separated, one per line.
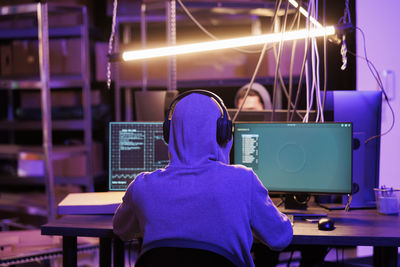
pixel 261 90
pixel 193 132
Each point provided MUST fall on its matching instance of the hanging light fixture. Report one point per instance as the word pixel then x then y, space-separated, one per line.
pixel 227 43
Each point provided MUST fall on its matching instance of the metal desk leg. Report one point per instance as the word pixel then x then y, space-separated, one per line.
pixel 119 255
pixel 69 251
pixel 385 257
pixel 105 252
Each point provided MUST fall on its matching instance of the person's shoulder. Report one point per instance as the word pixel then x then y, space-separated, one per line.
pixel 239 170
pixel 145 177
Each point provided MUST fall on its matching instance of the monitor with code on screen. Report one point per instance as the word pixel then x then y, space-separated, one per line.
pixel 134 147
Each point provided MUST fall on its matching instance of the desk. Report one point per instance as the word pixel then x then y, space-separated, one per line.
pixel 72 226
pixel 355 228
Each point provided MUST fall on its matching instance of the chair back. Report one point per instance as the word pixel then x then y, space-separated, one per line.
pixel 182 257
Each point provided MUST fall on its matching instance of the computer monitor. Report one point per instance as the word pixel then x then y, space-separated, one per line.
pixel 152 105
pixel 363 109
pixel 135 147
pixel 297 157
pixel 280 115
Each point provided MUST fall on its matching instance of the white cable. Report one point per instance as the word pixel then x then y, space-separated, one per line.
pixel 305 119
pixel 252 81
pixel 315 64
pixel 308 95
pixel 318 82
pixel 111 41
pixel 343 50
pixel 313 88
pixel 343 53
pixel 209 34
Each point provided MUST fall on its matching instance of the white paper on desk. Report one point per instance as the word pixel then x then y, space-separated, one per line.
pixel 90 203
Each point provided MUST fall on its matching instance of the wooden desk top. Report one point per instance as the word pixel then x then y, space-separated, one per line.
pixel 80 225
pixel 357 227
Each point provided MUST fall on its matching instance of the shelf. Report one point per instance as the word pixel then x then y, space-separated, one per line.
pixel 32 33
pixel 31 9
pixel 11 180
pixel 59 152
pixel 37 125
pixel 56 82
pixel 73 160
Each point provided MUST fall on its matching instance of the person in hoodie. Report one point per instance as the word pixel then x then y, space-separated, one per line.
pixel 198 198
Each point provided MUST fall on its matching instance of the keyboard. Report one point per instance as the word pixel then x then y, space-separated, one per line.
pixel 305 214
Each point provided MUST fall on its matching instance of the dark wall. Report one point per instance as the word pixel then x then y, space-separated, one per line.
pixel 340 79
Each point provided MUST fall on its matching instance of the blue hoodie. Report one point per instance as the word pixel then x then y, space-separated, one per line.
pixel 199 197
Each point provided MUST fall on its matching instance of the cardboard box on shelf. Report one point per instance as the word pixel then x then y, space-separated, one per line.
pixel 76 166
pixel 64 54
pixel 6 60
pixel 25 58
pixel 32 99
pixel 58 56
pixel 31 164
pixel 74 56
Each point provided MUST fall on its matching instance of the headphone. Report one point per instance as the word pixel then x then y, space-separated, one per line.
pixel 224 124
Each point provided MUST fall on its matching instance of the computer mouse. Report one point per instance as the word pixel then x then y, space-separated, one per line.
pixel 326 224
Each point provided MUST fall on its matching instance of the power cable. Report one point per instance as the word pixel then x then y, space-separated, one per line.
pixel 377 77
pixel 278 61
pixel 111 41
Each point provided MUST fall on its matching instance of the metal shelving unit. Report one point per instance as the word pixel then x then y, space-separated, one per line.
pixel 166 12
pixel 46 83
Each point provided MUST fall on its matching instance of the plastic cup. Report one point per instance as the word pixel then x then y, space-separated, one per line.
pixel 387 200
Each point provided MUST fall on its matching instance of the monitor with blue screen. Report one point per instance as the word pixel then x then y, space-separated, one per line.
pixel 134 147
pixel 297 157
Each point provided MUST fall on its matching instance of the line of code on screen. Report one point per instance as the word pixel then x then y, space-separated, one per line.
pixel 135 147
pixel 297 157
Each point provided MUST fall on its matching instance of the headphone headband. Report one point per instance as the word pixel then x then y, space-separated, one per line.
pixel 213 96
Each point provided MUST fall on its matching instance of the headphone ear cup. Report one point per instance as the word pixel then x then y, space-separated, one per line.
pixel 224 131
pixel 166 126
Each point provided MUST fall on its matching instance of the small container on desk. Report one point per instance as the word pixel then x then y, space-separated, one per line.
pixel 387 200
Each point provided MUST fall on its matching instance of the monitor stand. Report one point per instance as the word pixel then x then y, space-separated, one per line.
pixel 297 206
pixel 297 201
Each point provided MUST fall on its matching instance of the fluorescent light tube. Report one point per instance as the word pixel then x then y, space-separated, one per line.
pixel 227 43
pixel 305 13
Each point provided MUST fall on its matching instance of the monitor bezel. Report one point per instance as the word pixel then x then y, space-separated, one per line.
pixel 280 115
pixel 283 192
